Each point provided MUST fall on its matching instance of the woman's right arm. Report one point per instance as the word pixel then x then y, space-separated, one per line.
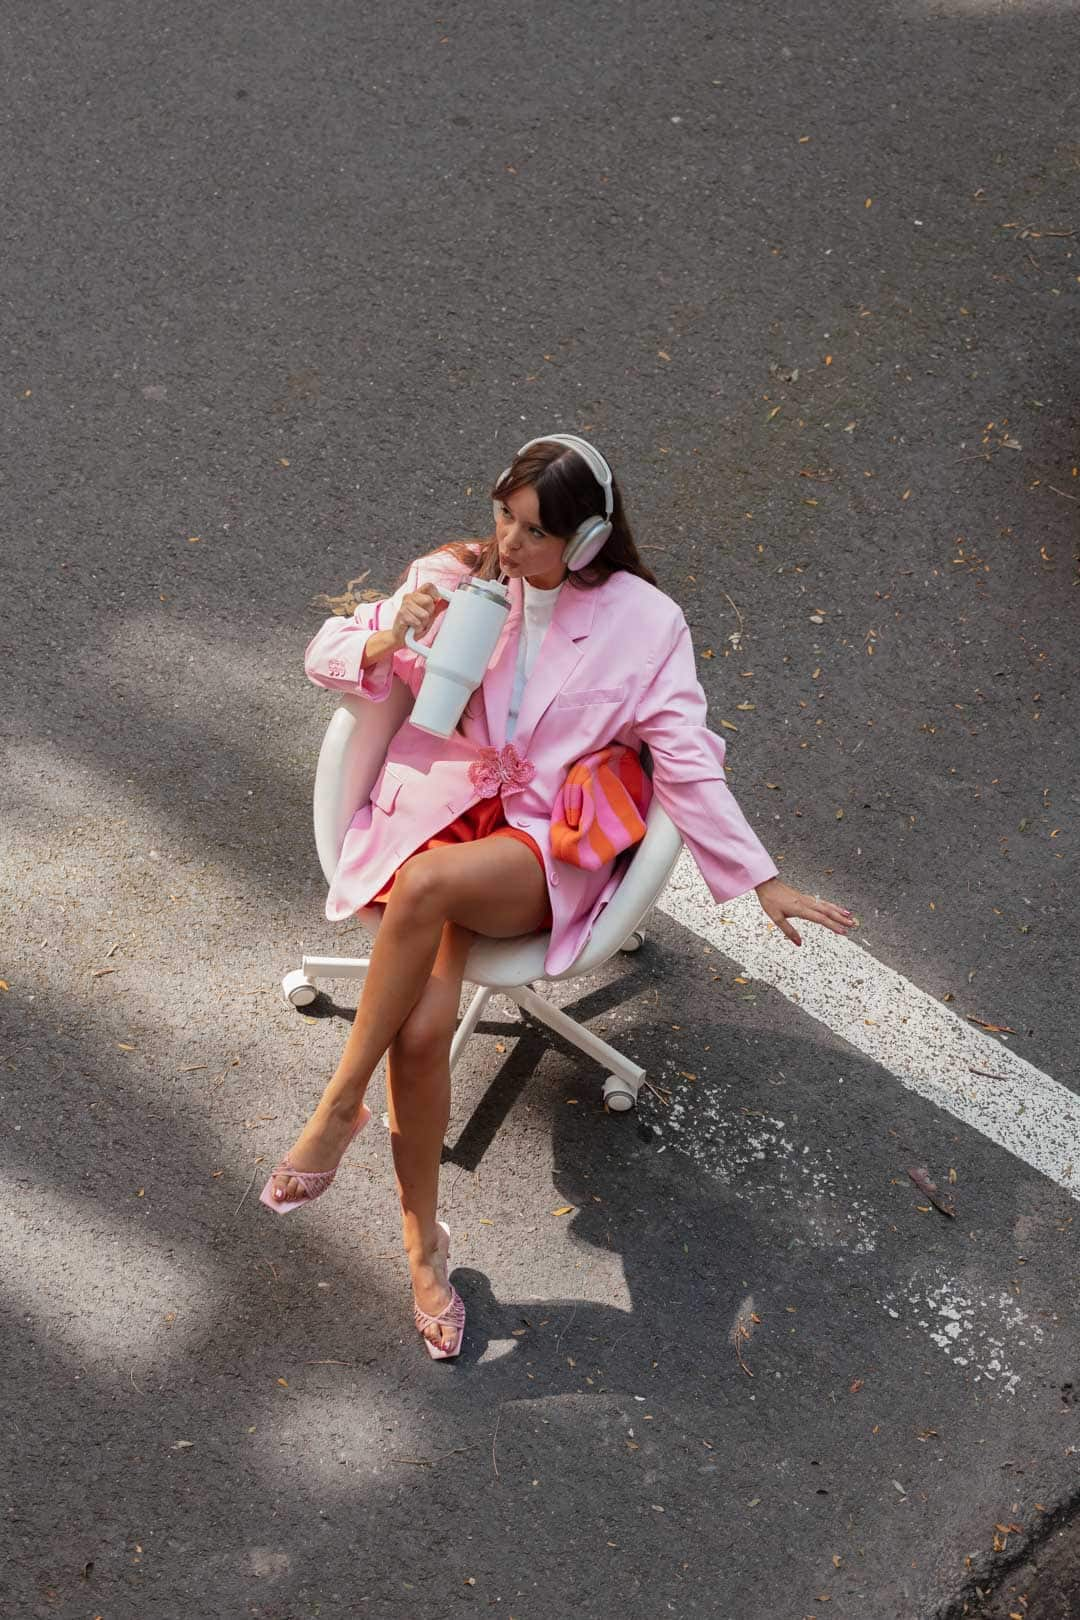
pixel 360 655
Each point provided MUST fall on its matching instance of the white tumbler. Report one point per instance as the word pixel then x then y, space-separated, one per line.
pixel 456 664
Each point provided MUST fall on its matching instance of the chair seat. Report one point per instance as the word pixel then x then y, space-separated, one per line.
pixel 503 964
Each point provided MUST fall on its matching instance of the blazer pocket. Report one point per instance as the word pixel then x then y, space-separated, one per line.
pixel 579 700
pixel 384 793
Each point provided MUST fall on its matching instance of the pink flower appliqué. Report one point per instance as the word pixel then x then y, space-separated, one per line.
pixel 500 770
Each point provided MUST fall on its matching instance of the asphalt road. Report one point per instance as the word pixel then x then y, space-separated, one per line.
pixel 281 290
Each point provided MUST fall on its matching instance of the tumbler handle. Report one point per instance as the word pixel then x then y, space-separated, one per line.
pixel 410 635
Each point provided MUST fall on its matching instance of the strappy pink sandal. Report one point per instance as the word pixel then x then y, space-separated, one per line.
pixel 450 1321
pixel 314 1182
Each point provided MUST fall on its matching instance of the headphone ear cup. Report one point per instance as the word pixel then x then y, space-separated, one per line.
pixel 590 539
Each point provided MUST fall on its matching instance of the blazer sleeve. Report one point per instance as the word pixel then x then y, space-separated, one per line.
pixel 333 654
pixel 688 772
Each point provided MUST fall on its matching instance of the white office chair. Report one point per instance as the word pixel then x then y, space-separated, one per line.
pixel 351 757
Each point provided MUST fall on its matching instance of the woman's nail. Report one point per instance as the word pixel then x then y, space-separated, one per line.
pixel 279 1192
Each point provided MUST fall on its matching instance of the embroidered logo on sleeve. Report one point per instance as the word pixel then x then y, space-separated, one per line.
pixel 336 666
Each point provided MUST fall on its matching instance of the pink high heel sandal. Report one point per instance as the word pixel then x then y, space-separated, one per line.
pixel 314 1182
pixel 450 1321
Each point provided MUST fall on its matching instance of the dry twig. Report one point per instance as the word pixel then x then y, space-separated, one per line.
pixel 247 1189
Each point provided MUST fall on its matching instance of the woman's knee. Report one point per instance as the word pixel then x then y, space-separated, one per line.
pixel 422 1044
pixel 421 884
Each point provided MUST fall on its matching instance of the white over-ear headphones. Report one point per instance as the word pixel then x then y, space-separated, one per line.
pixel 593 534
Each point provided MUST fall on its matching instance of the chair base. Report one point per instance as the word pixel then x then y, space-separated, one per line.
pixel 624 1078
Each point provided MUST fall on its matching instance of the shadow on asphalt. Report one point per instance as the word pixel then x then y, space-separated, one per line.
pixel 208 1399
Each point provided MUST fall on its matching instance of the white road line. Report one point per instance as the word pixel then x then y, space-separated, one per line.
pixel 917 1039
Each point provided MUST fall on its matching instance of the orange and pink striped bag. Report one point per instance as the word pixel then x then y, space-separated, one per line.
pixel 600 808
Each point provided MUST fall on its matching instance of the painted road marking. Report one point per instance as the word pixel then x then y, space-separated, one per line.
pixel 918 1040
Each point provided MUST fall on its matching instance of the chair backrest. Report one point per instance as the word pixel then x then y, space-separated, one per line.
pixel 351 757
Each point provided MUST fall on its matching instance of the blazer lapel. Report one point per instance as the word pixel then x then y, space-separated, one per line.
pixel 561 650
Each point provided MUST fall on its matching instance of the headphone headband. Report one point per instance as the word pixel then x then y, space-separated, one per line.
pixel 592 535
pixel 588 453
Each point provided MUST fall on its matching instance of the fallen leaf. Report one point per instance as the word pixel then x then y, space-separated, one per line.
pixel 123 1046
pixel 183 1445
pixel 940 1200
pixel 728 724
pixel 995 1029
pixel 855 1386
pixel 663 354
pixel 564 1209
pixel 774 412
pixel 284 1382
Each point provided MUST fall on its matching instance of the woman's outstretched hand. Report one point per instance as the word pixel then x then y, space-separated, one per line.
pixel 779 901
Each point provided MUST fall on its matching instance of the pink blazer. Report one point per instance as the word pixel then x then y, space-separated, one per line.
pixel 617 664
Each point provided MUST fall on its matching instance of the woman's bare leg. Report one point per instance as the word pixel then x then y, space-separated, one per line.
pixel 418 1068
pixel 493 887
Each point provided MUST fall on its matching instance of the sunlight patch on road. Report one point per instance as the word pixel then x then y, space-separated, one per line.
pixel 101 1288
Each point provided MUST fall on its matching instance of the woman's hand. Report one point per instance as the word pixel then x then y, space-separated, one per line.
pixel 779 901
pixel 417 612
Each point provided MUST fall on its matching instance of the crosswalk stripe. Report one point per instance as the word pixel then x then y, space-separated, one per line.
pixel 921 1043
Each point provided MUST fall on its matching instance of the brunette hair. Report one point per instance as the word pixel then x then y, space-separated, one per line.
pixel 567 493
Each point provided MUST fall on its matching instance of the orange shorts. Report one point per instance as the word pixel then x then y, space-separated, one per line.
pixel 485 820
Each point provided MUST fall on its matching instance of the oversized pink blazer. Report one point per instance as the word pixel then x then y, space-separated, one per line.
pixel 617 663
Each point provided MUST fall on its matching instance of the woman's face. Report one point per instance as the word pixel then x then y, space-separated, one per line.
pixel 526 550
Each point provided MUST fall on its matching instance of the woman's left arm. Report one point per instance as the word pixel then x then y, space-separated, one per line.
pixel 689 781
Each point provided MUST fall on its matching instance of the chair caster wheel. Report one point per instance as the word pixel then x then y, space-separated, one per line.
pixel 632 942
pixel 298 989
pixel 619 1096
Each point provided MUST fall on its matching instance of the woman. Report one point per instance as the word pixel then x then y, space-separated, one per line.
pixel 457 842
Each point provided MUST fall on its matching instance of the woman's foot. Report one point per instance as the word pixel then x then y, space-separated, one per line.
pixel 432 1292
pixel 319 1147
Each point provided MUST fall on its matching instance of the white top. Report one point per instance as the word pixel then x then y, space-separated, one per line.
pixel 539 610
